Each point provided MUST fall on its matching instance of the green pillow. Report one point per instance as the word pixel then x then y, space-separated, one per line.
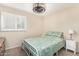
pixel 56 34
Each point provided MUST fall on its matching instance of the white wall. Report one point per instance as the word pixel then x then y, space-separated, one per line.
pixel 34 28
pixel 63 21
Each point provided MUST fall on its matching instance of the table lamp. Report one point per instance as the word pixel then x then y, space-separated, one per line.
pixel 71 32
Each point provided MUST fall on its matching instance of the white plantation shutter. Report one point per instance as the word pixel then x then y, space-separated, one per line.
pixel 12 22
pixel 21 22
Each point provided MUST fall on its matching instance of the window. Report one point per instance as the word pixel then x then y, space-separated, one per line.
pixel 12 22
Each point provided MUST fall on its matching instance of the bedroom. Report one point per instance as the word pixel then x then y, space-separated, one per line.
pixel 56 17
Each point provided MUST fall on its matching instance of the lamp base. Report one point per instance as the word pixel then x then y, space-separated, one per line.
pixel 71 37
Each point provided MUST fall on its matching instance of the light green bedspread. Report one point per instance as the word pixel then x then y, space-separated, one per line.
pixel 44 46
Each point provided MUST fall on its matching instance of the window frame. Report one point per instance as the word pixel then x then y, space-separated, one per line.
pixel 15 28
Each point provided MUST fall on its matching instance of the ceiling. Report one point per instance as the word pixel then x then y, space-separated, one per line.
pixel 50 7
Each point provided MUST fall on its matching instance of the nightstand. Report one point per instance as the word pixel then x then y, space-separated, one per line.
pixel 2 46
pixel 71 45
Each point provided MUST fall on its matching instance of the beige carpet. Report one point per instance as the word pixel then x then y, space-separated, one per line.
pixel 20 52
pixel 15 52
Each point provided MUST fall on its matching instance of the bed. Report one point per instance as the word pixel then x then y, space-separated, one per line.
pixel 46 45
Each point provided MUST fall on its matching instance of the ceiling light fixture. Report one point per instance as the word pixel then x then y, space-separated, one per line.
pixel 39 7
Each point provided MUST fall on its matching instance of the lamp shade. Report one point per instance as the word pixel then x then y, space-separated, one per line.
pixel 71 31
